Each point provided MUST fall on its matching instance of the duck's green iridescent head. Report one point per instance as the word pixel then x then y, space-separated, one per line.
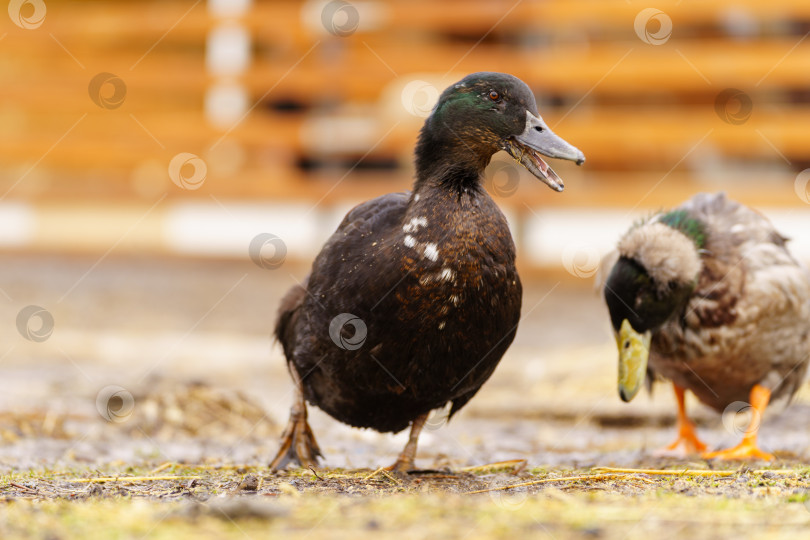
pixel 652 280
pixel 484 113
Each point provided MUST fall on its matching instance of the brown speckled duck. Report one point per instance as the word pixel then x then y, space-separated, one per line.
pixel 708 296
pixel 415 298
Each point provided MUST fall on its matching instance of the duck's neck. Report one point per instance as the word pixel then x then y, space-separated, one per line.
pixel 444 160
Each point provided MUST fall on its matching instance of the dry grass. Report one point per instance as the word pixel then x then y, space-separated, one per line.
pixel 150 498
pixel 503 501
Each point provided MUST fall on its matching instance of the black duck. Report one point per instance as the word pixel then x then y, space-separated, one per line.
pixel 415 298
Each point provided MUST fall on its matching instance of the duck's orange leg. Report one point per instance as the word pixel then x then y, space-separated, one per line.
pixel 687 441
pixel 748 449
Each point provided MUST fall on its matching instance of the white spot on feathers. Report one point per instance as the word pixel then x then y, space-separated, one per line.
pixel 446 275
pixel 431 251
pixel 414 224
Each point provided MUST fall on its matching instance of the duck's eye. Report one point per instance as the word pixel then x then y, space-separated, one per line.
pixel 494 95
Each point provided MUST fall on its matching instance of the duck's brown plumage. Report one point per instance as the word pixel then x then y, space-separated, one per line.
pixel 429 276
pixel 747 321
pixel 419 351
pixel 710 291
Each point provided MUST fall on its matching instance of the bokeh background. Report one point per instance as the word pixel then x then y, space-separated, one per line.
pixel 169 168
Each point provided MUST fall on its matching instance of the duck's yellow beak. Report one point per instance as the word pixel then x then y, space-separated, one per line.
pixel 634 351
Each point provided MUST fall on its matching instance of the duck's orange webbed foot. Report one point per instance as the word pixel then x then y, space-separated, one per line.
pixel 687 442
pixel 748 449
pixel 744 450
pixel 298 444
pixel 401 466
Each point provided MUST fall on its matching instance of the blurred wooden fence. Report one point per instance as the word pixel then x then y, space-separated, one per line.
pixel 321 101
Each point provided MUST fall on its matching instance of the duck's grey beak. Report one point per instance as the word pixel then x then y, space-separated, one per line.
pixel 538 139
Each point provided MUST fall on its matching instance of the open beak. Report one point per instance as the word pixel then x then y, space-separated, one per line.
pixel 538 139
pixel 634 351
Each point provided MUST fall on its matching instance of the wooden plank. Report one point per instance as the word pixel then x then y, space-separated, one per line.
pixel 618 68
pixel 643 190
pixel 409 40
pixel 630 137
pixel 270 20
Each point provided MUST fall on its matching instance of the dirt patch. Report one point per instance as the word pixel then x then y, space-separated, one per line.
pixel 186 457
pixel 498 501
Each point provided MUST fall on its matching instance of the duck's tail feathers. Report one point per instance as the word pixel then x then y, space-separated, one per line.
pixel 284 330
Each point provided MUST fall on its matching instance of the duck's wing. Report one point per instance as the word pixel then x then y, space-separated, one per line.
pixel 376 215
pixel 358 254
pixel 730 224
pixel 776 301
pixel 345 274
pixel 752 301
pixel 746 264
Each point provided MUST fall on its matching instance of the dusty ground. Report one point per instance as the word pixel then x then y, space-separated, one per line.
pixel 164 369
